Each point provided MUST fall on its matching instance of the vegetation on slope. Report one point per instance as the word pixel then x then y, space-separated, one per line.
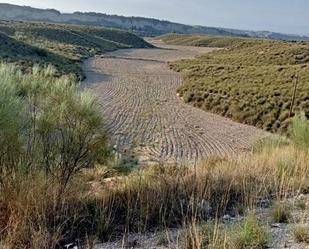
pixel 63 46
pixel 201 40
pixel 250 81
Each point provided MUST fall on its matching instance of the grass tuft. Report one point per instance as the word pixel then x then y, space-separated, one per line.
pixel 300 131
pixel 301 233
pixel 251 234
pixel 281 213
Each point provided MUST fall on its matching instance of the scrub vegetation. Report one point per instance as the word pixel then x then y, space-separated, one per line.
pixel 250 81
pixel 202 40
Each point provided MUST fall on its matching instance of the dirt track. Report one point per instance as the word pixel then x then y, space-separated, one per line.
pixel 144 116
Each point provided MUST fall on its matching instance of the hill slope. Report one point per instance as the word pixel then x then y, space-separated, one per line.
pixel 139 25
pixel 63 46
pixel 201 40
pixel 251 81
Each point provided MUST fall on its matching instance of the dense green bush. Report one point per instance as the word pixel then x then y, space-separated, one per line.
pixel 47 124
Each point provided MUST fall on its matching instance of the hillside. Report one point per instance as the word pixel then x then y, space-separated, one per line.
pixel 250 81
pixel 63 46
pixel 139 25
pixel 201 40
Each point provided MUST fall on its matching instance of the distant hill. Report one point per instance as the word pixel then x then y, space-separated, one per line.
pixel 139 25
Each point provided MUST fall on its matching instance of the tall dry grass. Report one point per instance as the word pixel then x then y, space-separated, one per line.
pixel 171 195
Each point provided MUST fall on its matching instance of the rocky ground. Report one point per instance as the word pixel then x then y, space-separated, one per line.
pixel 144 117
pixel 280 234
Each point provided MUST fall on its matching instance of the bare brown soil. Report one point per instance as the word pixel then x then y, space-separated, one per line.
pixel 145 118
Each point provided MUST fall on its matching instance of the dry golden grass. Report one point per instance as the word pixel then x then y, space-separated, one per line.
pixel 169 195
pixel 301 233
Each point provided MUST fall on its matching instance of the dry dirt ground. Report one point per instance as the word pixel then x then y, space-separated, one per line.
pixel 144 117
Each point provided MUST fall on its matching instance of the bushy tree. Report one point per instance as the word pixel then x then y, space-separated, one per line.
pixel 10 123
pixel 48 124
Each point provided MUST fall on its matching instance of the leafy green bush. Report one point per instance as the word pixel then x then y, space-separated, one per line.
pixel 49 132
pixel 10 123
pixel 47 124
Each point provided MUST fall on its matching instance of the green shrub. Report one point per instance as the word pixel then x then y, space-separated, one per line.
pixel 251 234
pixel 11 107
pixel 48 124
pixel 248 234
pixel 270 143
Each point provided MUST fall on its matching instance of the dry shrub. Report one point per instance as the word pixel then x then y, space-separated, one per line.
pixel 202 236
pixel 33 215
pixel 28 207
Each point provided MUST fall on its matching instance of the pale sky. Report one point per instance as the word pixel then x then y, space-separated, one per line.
pixel 286 16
